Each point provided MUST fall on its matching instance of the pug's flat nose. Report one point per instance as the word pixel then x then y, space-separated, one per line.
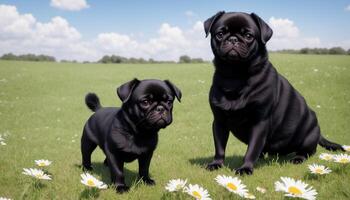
pixel 160 109
pixel 233 39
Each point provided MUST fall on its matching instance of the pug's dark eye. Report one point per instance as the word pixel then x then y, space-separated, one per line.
pixel 145 103
pixel 248 36
pixel 219 35
pixel 169 102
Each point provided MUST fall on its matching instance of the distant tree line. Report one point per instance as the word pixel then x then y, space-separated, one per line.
pixel 182 59
pixel 28 57
pixel 330 51
pixel 121 59
pixel 187 59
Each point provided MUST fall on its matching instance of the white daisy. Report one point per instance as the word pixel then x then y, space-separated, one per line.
pixel 175 185
pixel 43 163
pixel 36 173
pixel 342 158
pixel 3 198
pixel 2 141
pixel 346 148
pixel 326 156
pixel 197 192
pixel 261 189
pixel 232 184
pixel 295 188
pixel 319 169
pixel 249 196
pixel 91 181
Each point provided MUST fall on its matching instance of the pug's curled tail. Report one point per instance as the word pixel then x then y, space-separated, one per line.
pixel 329 145
pixel 92 102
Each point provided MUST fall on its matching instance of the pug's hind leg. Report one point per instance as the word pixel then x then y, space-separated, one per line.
pixel 298 159
pixel 308 148
pixel 105 162
pixel 87 147
pixel 301 156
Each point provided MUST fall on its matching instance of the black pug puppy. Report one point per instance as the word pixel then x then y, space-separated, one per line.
pixel 130 132
pixel 251 99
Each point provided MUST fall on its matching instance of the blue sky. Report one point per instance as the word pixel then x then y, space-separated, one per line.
pixel 316 23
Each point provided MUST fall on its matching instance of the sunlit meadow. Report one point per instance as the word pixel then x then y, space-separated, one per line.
pixel 42 113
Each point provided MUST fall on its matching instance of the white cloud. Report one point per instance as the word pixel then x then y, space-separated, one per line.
pixel 286 35
pixel 283 28
pixel 72 5
pixel 58 28
pixel 13 25
pixel 347 8
pixel 170 43
pixel 22 33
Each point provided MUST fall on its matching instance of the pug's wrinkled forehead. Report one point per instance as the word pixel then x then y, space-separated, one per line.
pixel 153 88
pixel 235 22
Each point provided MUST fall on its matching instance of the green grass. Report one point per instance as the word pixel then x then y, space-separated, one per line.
pixel 42 110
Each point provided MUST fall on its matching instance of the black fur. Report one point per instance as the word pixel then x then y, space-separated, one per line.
pixel 130 132
pixel 92 102
pixel 252 100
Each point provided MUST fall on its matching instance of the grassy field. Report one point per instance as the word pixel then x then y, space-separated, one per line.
pixel 42 113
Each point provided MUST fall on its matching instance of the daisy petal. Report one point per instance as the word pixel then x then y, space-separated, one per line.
pixel 294 188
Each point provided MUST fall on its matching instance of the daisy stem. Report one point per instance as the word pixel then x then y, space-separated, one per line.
pixel 25 190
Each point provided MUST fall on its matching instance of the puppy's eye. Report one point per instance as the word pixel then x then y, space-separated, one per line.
pixel 248 36
pixel 169 102
pixel 219 35
pixel 145 103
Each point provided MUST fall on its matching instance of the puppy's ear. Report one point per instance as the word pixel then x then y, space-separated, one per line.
pixel 174 89
pixel 209 22
pixel 265 30
pixel 125 90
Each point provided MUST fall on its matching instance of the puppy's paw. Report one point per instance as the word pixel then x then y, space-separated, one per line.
pixel 105 162
pixel 122 188
pixel 87 168
pixel 214 165
pixel 244 170
pixel 148 181
pixel 298 159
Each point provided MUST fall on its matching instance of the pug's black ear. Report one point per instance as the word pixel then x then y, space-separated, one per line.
pixel 265 30
pixel 174 89
pixel 209 22
pixel 125 90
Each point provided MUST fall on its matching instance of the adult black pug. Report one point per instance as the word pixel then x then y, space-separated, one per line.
pixel 130 132
pixel 252 100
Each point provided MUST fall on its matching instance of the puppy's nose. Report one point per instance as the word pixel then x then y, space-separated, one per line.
pixel 233 39
pixel 160 109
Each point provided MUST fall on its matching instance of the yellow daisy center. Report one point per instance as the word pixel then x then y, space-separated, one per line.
pixel 328 157
pixel 41 164
pixel 39 176
pixel 90 182
pixel 294 190
pixel 344 160
pixel 178 187
pixel 232 186
pixel 196 194
pixel 318 171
